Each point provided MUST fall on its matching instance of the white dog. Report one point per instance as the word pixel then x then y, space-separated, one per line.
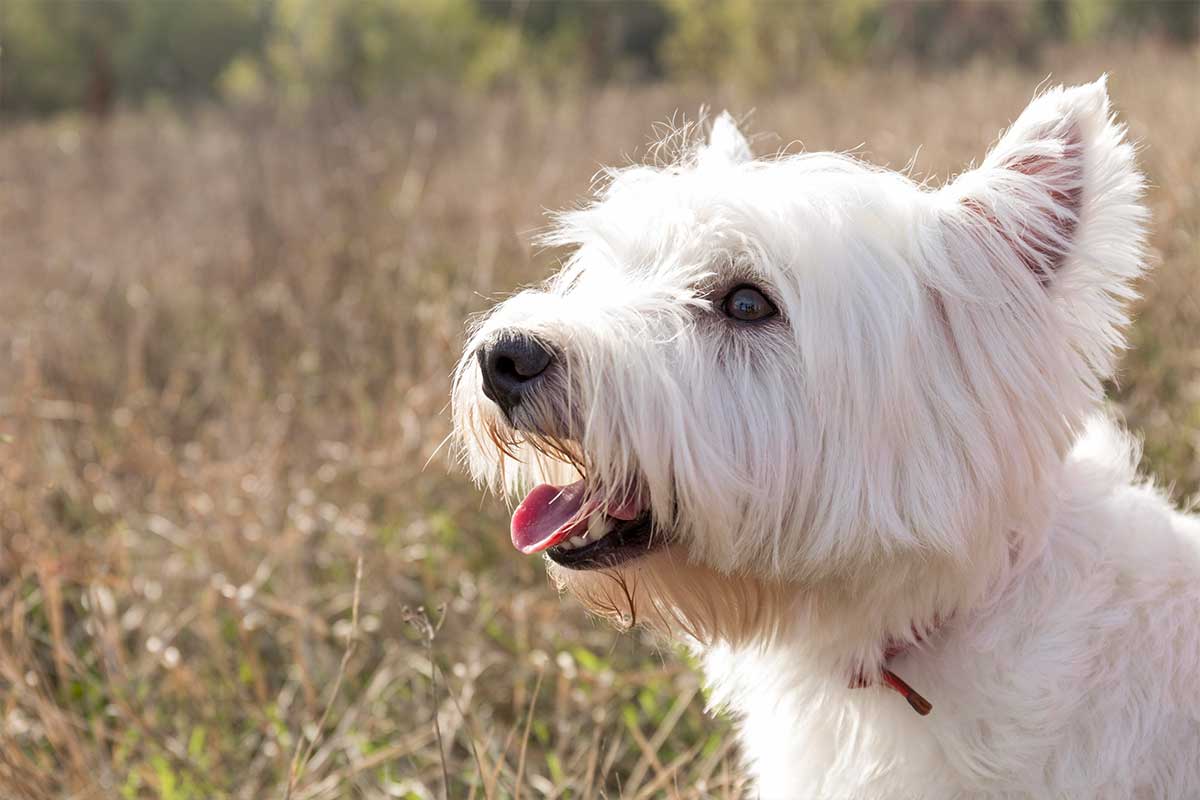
pixel 840 432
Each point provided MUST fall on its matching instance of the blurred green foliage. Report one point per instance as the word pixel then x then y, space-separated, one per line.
pixel 60 54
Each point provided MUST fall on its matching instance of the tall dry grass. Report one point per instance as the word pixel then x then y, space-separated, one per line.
pixel 225 342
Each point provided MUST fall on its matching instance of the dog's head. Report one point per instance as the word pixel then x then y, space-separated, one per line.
pixel 795 369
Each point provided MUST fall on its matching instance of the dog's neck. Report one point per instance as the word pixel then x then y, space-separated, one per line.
pixel 853 629
pixel 836 628
pixel 848 624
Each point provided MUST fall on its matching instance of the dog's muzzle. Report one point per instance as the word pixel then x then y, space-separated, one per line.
pixel 512 365
pixel 579 525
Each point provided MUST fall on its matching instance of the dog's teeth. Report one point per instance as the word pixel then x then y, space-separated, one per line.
pixel 597 527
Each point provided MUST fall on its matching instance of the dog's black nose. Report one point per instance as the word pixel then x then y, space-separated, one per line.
pixel 511 364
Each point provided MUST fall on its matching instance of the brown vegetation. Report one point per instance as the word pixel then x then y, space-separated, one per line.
pixel 225 345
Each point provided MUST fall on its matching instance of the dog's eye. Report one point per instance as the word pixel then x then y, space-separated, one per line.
pixel 747 304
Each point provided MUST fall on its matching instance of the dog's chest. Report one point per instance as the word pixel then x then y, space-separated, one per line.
pixel 1040 699
pixel 807 738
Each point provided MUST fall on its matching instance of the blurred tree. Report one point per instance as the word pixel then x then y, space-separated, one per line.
pixel 760 43
pixel 55 54
pixel 83 53
pixel 952 31
pixel 367 47
pixel 1176 20
pixel 616 39
pixel 180 48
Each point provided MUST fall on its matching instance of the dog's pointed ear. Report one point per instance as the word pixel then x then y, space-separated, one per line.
pixel 1059 187
pixel 725 142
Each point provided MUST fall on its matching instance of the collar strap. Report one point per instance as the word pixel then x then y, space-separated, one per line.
pixel 919 704
pixel 892 680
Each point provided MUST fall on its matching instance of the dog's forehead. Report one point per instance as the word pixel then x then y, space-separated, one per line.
pixel 686 224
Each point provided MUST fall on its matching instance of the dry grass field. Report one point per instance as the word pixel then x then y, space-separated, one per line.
pixel 225 344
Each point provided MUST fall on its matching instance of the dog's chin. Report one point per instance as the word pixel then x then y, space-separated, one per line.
pixel 623 542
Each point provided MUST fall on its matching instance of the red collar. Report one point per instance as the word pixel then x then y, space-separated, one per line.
pixel 891 650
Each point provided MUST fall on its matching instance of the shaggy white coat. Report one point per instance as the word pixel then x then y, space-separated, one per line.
pixel 911 451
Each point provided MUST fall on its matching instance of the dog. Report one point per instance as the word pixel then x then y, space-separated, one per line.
pixel 843 435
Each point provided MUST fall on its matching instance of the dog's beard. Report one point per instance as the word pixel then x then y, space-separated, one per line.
pixel 679 599
pixel 660 588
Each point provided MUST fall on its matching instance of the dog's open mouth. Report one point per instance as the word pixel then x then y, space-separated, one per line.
pixel 578 532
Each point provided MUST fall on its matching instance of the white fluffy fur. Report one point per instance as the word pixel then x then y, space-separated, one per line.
pixel 912 450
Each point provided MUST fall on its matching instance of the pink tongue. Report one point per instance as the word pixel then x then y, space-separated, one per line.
pixel 542 519
pixel 550 514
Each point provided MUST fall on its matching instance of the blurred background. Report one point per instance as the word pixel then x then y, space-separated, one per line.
pixel 238 242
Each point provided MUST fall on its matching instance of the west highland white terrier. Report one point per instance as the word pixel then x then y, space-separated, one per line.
pixel 842 434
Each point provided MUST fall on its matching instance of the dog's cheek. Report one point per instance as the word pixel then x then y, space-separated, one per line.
pixel 741 472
